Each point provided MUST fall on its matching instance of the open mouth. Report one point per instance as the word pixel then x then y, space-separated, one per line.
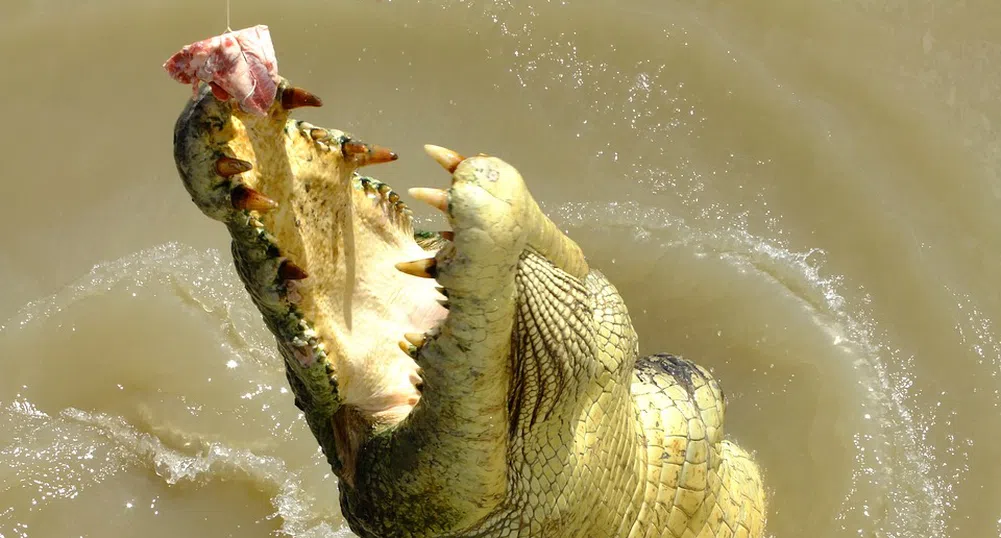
pixel 361 306
pixel 454 379
pixel 325 249
pixel 433 366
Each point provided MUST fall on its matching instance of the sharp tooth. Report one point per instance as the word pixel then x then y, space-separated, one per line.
pixel 444 303
pixel 290 271
pixel 298 97
pixel 426 268
pixel 447 235
pixel 319 134
pixel 364 154
pixel 408 348
pixel 433 197
pixel 416 339
pixel 448 159
pixel 385 189
pixel 228 166
pixel 441 290
pixel 245 198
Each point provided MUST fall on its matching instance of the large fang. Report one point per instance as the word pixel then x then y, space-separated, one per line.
pixel 228 166
pixel 364 154
pixel 448 159
pixel 416 339
pixel 245 198
pixel 426 268
pixel 290 271
pixel 298 97
pixel 433 197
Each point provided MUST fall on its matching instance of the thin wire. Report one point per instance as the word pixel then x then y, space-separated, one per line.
pixel 229 27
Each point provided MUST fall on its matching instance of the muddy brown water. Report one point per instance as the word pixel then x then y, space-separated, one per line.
pixel 802 195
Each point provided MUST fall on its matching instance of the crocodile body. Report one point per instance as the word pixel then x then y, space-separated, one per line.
pixel 482 382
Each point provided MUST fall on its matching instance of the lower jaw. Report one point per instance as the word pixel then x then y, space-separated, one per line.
pixel 377 373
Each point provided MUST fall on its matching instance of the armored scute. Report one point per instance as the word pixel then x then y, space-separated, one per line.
pixel 482 381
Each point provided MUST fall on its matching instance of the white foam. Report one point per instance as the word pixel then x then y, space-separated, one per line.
pixel 894 460
pixel 206 283
pixel 215 461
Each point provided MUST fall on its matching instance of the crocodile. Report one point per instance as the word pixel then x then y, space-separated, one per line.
pixel 482 381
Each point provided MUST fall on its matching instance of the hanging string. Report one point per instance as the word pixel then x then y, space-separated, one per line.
pixel 229 27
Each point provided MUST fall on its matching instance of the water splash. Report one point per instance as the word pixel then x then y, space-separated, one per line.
pixel 60 456
pixel 216 461
pixel 899 489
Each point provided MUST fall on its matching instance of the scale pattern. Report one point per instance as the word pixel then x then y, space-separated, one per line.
pixel 536 416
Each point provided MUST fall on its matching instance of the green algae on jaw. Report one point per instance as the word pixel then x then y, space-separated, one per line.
pixel 478 381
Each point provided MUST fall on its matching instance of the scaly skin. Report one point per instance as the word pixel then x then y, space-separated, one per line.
pixel 516 406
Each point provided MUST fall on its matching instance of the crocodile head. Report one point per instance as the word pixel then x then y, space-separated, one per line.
pixel 481 381
pixel 317 245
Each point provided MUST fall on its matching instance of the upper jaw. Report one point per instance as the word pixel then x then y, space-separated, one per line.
pixel 331 262
pixel 316 245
